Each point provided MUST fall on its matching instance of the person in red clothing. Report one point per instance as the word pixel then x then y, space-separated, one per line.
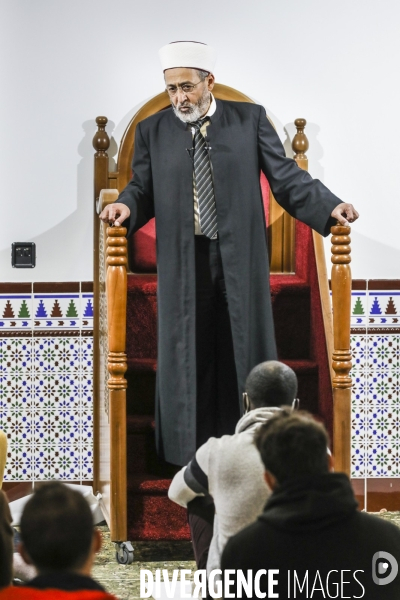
pixel 59 539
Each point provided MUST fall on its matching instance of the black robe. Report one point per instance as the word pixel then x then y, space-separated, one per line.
pixel 243 143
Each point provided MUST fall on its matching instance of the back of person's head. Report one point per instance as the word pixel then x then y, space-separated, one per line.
pixel 271 383
pixel 6 542
pixel 292 445
pixel 57 528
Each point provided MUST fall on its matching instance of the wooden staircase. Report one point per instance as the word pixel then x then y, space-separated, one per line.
pixel 297 315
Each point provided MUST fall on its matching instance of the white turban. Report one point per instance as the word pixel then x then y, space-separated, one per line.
pixel 192 55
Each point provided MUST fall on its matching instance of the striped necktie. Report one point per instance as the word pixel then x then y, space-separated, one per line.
pixel 204 183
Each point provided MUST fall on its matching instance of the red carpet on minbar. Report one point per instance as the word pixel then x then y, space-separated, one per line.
pixel 301 344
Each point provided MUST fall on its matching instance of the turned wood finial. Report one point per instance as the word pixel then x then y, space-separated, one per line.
pixel 341 299
pixel 341 249
pixel 300 142
pixel 117 252
pixel 101 141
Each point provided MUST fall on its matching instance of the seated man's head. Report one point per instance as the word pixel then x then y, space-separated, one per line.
pixel 6 542
pixel 293 445
pixel 270 383
pixel 57 532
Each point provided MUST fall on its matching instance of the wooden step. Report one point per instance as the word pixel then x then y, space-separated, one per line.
pixel 142 365
pixel 143 463
pixel 147 283
pixel 290 297
pixel 141 387
pixel 301 367
pixel 152 516
pixel 140 424
pixel 148 484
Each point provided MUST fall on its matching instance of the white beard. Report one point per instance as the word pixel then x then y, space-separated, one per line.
pixel 196 111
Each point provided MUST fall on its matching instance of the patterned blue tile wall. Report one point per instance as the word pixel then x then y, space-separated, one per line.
pixel 46 348
pixel 375 341
pixel 46 400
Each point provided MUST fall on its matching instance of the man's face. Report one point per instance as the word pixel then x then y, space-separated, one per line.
pixel 188 105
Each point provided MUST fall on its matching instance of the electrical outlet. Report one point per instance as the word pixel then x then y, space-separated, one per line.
pixel 23 255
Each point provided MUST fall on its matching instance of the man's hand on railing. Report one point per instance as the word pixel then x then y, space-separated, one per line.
pixel 115 214
pixel 345 213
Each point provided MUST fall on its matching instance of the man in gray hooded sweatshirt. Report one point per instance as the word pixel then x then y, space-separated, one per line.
pixel 227 475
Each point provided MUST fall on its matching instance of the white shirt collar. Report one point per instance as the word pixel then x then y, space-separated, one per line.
pixel 212 109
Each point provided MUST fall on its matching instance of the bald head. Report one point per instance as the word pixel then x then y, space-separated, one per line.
pixel 271 383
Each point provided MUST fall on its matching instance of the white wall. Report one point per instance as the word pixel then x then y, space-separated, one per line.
pixel 333 62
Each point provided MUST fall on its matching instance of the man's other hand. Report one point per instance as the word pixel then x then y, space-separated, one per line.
pixel 116 214
pixel 345 214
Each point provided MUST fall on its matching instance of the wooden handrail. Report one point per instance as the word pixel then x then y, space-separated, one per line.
pixel 341 357
pixel 300 146
pixel 101 143
pixel 116 290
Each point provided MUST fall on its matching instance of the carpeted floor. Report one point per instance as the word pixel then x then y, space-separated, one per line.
pixel 123 580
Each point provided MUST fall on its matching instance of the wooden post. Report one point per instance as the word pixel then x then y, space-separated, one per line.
pixel 116 289
pixel 101 143
pixel 300 146
pixel 341 358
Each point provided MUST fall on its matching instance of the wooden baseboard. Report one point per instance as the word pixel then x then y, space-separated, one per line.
pixel 383 493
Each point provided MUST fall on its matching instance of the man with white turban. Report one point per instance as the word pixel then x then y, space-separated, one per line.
pixel 196 168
